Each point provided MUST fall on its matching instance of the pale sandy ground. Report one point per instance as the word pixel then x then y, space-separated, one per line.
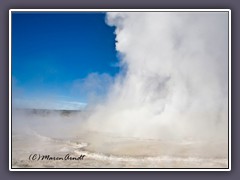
pixel 56 135
pixel 108 151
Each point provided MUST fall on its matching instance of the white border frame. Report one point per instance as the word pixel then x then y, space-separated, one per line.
pixel 119 10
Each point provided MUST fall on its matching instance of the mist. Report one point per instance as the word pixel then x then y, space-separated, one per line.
pixel 174 79
pixel 43 123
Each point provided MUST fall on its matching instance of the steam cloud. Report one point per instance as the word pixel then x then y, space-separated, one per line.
pixel 174 79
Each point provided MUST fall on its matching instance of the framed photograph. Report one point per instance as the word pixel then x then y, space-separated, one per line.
pixel 119 90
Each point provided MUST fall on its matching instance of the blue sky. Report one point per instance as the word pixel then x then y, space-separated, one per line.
pixel 54 53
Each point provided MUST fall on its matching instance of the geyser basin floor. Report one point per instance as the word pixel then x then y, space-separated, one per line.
pixel 109 151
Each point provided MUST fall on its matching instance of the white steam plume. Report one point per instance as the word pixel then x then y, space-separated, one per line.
pixel 175 80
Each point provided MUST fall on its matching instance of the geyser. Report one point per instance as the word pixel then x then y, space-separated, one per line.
pixel 175 79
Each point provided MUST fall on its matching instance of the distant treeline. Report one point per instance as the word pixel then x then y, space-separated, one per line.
pixel 48 111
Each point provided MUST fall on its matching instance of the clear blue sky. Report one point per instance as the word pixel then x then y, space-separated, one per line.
pixel 50 51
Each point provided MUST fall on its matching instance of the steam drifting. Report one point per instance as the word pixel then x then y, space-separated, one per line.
pixel 174 79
